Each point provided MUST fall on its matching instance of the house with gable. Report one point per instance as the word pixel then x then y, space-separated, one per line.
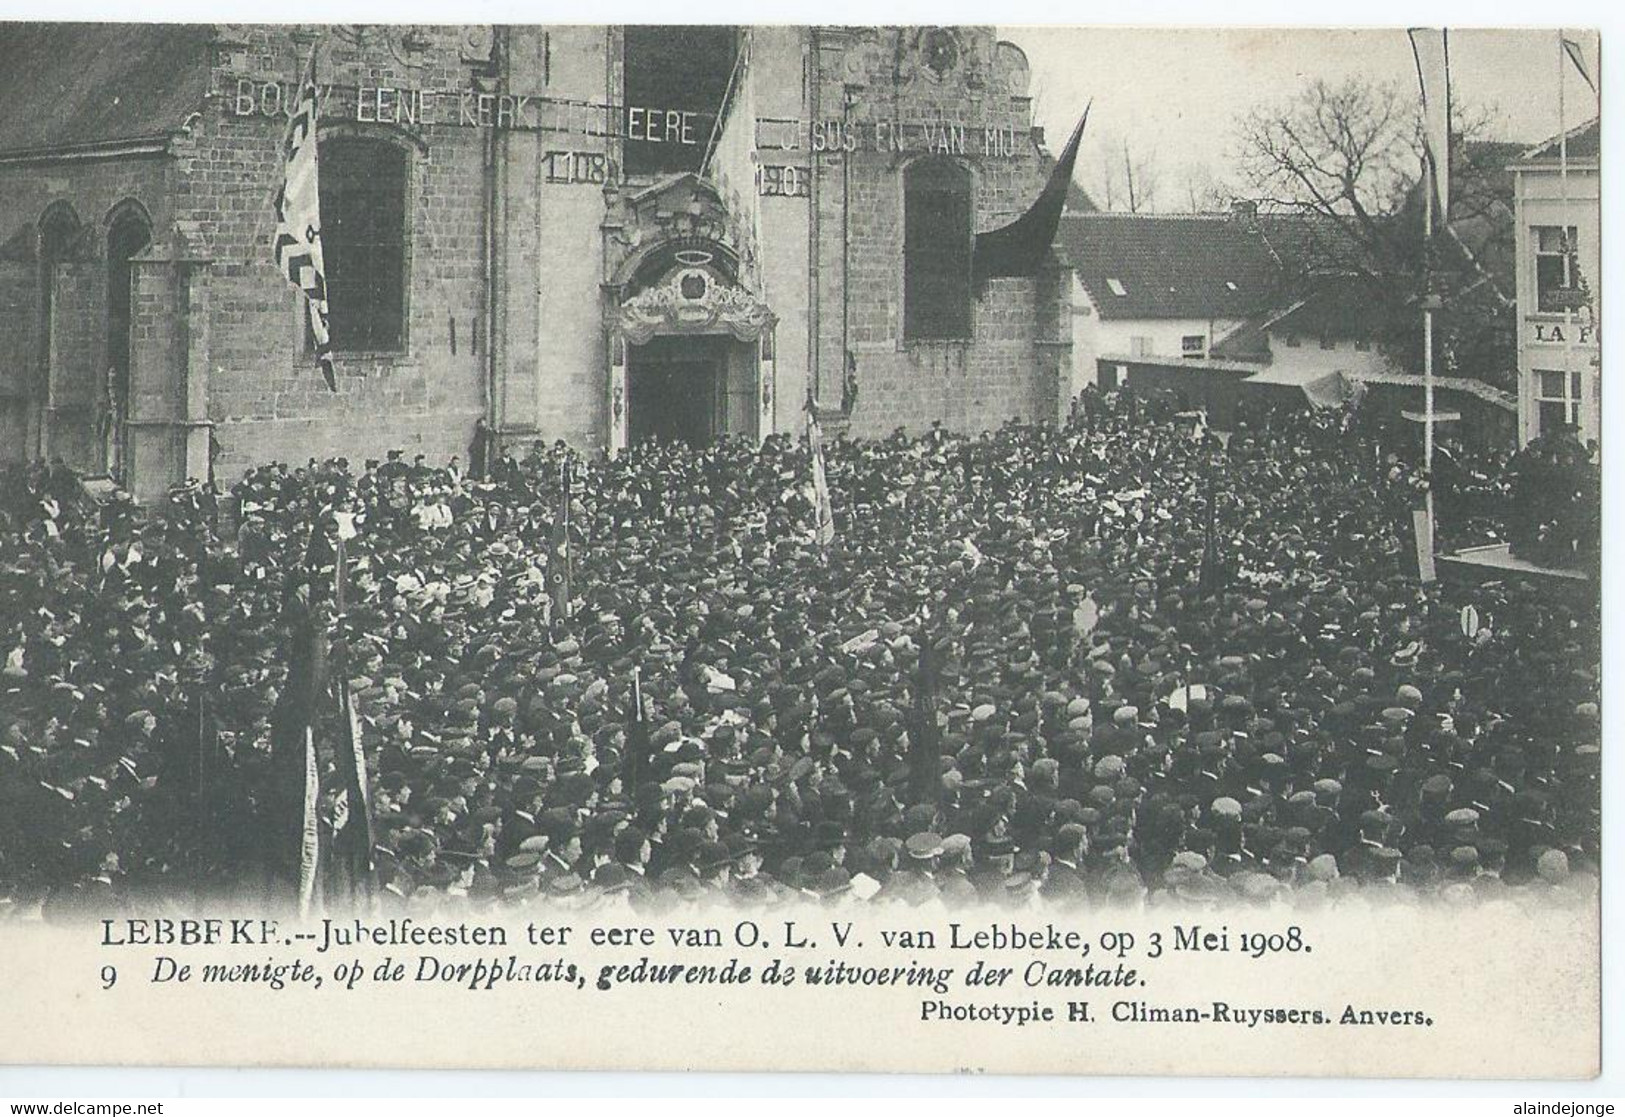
pixel 1218 307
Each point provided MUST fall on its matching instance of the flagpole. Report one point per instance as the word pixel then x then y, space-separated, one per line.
pixel 1562 133
pixel 1438 184
pixel 1427 345
pixel 1563 218
pixel 637 745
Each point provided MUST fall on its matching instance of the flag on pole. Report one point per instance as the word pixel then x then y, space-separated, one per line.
pixel 1019 247
pixel 925 735
pixel 355 838
pixel 823 511
pixel 732 163
pixel 1430 46
pixel 310 828
pixel 298 248
pixel 294 849
pixel 637 737
pixel 205 764
pixel 1576 53
pixel 558 551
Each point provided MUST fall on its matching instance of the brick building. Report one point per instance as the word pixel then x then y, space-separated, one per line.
pixel 599 234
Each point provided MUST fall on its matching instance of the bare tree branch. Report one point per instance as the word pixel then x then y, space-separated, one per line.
pixel 1348 158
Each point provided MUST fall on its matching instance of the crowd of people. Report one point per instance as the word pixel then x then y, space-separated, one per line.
pixel 1105 661
pixel 1554 500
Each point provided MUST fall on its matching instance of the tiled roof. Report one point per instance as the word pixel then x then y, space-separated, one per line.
pixel 65 86
pixel 1309 243
pixel 1168 266
pixel 1585 142
pixel 1338 306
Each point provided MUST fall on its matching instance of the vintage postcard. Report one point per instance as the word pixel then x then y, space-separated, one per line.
pixel 853 548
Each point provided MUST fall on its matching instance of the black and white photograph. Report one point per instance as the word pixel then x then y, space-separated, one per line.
pixel 607 507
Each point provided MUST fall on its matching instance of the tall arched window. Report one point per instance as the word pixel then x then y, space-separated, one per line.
pixel 937 242
pixel 363 198
pixel 59 233
pixel 127 235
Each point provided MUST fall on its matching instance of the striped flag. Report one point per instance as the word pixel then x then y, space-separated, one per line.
pixel 558 551
pixel 1430 46
pixel 823 512
pixel 298 249
pixel 310 828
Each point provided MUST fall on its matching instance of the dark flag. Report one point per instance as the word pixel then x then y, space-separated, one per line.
pixel 339 573
pixel 479 452
pixel 1020 247
pixel 186 795
pixel 558 550
pixel 925 735
pixel 297 721
pixel 203 734
pixel 202 741
pixel 354 841
pixel 1576 53
pixel 295 841
pixel 637 738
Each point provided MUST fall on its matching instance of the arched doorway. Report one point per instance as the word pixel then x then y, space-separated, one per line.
pixel 692 357
pixel 690 335
pixel 127 236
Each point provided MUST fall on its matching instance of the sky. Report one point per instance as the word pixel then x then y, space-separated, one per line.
pixel 1175 93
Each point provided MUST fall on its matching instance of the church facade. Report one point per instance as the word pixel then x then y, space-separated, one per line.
pixel 595 234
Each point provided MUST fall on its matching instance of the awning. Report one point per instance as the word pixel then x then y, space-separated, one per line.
pixel 1321 388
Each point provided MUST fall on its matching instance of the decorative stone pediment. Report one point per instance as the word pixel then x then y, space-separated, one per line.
pixel 683 205
pixel 681 272
pixel 652 225
pixel 693 299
